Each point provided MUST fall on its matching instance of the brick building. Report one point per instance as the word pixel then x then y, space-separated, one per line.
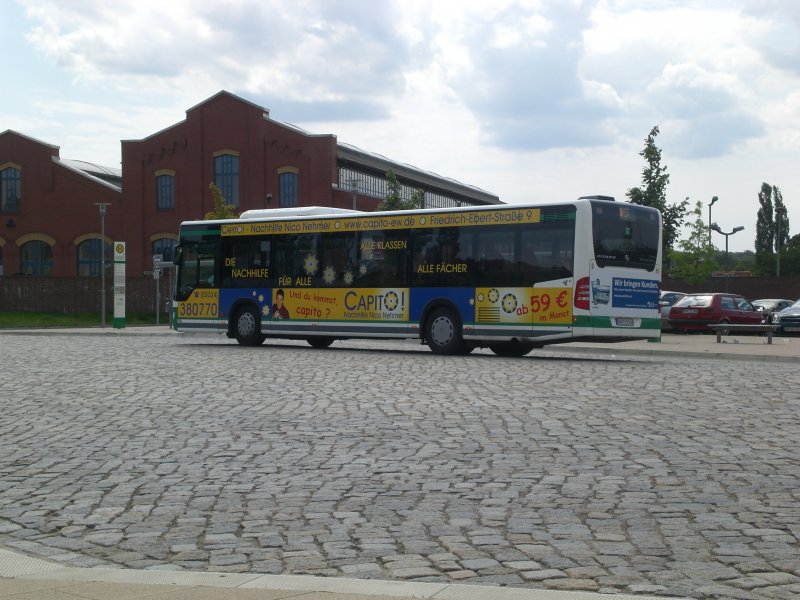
pixel 50 222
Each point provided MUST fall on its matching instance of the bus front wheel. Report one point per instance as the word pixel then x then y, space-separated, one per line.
pixel 443 332
pixel 511 349
pixel 247 327
pixel 319 342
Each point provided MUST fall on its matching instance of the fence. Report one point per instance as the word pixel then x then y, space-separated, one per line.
pixel 80 294
pixel 749 287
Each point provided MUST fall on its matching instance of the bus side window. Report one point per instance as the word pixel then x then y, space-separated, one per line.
pixel 338 260
pixel 245 263
pixel 383 258
pixel 497 256
pixel 295 260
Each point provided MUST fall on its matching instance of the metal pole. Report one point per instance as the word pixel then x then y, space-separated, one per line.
pixel 102 206
pixel 779 212
pixel 726 251
pixel 713 200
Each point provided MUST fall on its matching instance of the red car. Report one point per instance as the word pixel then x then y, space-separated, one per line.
pixel 694 312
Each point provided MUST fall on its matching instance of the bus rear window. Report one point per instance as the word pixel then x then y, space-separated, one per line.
pixel 625 235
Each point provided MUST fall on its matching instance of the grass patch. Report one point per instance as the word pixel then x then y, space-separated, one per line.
pixel 37 320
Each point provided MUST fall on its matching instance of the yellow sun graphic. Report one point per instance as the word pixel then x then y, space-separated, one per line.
pixel 390 300
pixel 311 264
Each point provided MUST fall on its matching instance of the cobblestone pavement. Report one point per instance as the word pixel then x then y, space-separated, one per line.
pixel 663 475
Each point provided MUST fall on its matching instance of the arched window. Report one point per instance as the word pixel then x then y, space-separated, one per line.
pixel 10 189
pixel 165 190
pixel 226 177
pixel 36 258
pixel 166 248
pixel 287 185
pixel 90 257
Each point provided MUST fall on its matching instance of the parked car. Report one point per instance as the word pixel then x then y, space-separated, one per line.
pixel 769 306
pixel 665 301
pixel 788 320
pixel 695 312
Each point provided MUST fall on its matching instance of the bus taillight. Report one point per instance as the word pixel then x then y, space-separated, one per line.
pixel 582 293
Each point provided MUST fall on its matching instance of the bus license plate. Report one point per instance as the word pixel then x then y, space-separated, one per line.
pixel 624 322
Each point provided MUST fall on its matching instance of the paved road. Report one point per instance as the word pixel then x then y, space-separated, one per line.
pixel 653 475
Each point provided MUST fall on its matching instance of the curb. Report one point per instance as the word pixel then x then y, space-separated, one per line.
pixel 37 575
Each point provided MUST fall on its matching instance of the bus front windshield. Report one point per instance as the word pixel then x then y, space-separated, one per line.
pixel 625 235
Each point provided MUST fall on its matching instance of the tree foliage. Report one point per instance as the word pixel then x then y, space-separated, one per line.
pixel 790 257
pixel 772 228
pixel 654 192
pixel 696 261
pixel 221 210
pixel 394 196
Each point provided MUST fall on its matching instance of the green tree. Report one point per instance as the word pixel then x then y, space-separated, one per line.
pixel 394 196
pixel 696 261
pixel 654 193
pixel 772 220
pixel 221 210
pixel 790 257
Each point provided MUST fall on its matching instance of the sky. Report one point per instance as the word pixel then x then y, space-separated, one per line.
pixel 532 100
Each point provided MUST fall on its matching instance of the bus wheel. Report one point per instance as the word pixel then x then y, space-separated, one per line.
pixel 319 342
pixel 511 349
pixel 443 332
pixel 247 327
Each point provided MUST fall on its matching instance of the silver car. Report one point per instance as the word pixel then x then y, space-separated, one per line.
pixel 788 320
pixel 665 301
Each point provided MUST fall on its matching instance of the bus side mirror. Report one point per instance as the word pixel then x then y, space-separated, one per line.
pixel 176 260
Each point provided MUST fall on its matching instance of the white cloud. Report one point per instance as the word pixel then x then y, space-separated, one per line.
pixel 533 100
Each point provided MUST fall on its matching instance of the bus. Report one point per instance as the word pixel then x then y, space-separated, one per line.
pixel 508 277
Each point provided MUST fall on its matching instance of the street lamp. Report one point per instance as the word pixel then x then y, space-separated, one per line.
pixel 353 189
pixel 102 206
pixel 716 228
pixel 713 201
pixel 780 211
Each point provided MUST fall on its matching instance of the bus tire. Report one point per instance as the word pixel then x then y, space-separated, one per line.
pixel 511 349
pixel 247 327
pixel 443 332
pixel 319 342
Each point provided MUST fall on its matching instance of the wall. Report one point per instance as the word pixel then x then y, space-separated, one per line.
pixel 749 287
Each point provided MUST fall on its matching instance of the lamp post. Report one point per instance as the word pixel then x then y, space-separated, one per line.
pixel 102 206
pixel 713 201
pixel 353 189
pixel 727 234
pixel 780 211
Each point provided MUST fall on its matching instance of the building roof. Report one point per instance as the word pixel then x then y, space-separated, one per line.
pixel 107 176
pixel 379 164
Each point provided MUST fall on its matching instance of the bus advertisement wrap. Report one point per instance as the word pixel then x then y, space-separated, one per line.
pixel 539 305
pixel 634 293
pixel 507 278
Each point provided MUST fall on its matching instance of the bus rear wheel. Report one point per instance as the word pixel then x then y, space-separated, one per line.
pixel 511 349
pixel 319 342
pixel 248 327
pixel 443 333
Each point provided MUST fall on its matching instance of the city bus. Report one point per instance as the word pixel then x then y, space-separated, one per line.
pixel 508 277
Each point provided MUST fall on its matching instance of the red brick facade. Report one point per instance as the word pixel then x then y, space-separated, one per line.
pixel 58 203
